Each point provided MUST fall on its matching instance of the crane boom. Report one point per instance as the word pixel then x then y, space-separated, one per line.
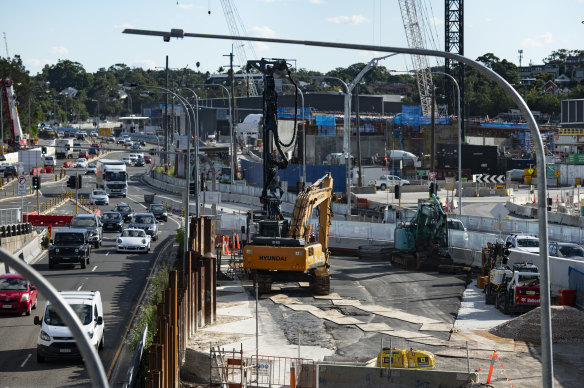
pixel 10 103
pixel 237 28
pixel 420 63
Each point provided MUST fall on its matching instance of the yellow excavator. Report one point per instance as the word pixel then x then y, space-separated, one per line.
pixel 285 251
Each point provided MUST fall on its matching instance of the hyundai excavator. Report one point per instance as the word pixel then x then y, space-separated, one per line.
pixel 283 249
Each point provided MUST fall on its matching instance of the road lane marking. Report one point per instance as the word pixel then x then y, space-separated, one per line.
pixel 94 268
pixel 176 222
pixel 25 360
pixel 79 288
pixel 107 253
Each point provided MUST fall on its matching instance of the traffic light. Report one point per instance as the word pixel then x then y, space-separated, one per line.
pixel 397 191
pixel 74 182
pixel 44 150
pixel 67 147
pixel 432 189
pixel 193 188
pixel 36 182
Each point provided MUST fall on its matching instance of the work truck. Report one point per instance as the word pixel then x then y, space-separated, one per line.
pixel 112 177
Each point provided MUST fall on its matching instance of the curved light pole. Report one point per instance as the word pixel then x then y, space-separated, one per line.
pixel 231 143
pixel 92 361
pixel 185 103
pixel 546 330
pixel 459 141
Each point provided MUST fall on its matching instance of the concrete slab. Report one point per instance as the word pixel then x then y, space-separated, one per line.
pixel 444 327
pixel 374 327
pixel 344 320
pixel 302 307
pixel 346 302
pixel 331 296
pixel 406 334
pixel 403 316
pixel 474 313
pixel 284 299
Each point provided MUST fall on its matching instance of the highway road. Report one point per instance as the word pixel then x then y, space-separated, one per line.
pixel 120 278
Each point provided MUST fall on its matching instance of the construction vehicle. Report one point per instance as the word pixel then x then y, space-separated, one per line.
pixel 400 358
pixel 511 289
pixel 422 243
pixel 18 138
pixel 283 250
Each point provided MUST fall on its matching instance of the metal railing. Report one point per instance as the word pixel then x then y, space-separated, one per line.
pixel 10 216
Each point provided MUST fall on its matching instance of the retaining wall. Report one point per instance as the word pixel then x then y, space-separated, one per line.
pixel 340 376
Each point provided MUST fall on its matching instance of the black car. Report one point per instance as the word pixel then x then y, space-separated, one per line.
pixel 70 246
pixel 139 162
pixel 125 210
pixel 159 211
pixel 9 171
pixel 112 222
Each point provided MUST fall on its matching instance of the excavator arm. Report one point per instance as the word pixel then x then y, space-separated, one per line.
pixel 319 193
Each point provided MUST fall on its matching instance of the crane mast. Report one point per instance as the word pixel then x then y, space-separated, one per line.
pixel 10 101
pixel 420 64
pixel 237 28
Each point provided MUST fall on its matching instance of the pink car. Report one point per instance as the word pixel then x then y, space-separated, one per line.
pixel 17 295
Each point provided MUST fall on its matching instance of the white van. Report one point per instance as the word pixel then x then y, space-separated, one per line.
pixel 55 338
pixel 49 161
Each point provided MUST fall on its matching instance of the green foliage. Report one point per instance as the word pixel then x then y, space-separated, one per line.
pixel 148 311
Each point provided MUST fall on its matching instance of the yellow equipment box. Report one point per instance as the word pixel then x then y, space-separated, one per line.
pixel 400 358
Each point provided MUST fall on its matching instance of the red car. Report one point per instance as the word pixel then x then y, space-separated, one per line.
pixel 148 159
pixel 83 154
pixel 17 295
pixel 96 145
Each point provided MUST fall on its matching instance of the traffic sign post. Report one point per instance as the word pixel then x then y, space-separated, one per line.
pixel 21 185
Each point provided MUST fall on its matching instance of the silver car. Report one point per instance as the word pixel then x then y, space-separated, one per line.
pixel 147 222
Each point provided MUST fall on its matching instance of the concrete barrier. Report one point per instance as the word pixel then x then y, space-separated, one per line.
pixel 340 376
pixel 29 252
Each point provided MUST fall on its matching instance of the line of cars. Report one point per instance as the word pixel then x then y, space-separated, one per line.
pixel 74 245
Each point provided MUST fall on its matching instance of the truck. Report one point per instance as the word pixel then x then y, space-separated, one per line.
pixel 111 176
pixel 30 159
pixel 64 148
pixel 517 289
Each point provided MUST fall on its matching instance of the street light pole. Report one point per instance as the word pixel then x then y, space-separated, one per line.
pixel 459 141
pixel 231 143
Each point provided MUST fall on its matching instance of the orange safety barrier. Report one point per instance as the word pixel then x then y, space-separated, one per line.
pixel 238 244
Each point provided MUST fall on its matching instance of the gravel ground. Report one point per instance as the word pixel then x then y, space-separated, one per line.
pixel 566 326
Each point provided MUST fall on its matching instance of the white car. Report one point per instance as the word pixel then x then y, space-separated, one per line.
pixel 133 158
pixel 128 142
pixel 99 197
pixel 386 181
pixel 81 163
pixel 127 160
pixel 522 242
pixel 90 169
pixel 133 240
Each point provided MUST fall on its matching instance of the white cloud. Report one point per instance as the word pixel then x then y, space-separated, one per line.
pixel 260 46
pixel 59 50
pixel 263 31
pixel 146 63
pixel 539 41
pixel 436 21
pixel 185 6
pixel 123 26
pixel 353 19
pixel 40 63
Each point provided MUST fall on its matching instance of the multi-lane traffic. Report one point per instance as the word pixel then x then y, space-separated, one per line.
pixel 120 277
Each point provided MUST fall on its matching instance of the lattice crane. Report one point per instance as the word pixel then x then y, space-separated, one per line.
pixel 415 38
pixel 237 28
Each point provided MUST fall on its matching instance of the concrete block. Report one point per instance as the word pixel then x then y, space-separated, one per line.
pixel 341 376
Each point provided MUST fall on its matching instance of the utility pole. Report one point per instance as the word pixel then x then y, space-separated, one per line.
pixel 165 121
pixel 233 142
pixel 360 179
pixel 433 131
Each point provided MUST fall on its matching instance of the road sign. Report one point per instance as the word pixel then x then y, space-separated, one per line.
pixel 483 178
pixel 557 173
pixel 530 171
pixel 449 183
pixel 499 211
pixel 22 185
pixel 432 175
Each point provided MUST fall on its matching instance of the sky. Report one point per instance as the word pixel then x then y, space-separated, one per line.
pixel 90 32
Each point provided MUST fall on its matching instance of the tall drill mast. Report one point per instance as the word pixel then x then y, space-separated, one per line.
pixel 237 28
pixel 420 64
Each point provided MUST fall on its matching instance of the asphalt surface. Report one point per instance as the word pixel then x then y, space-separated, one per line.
pixel 119 277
